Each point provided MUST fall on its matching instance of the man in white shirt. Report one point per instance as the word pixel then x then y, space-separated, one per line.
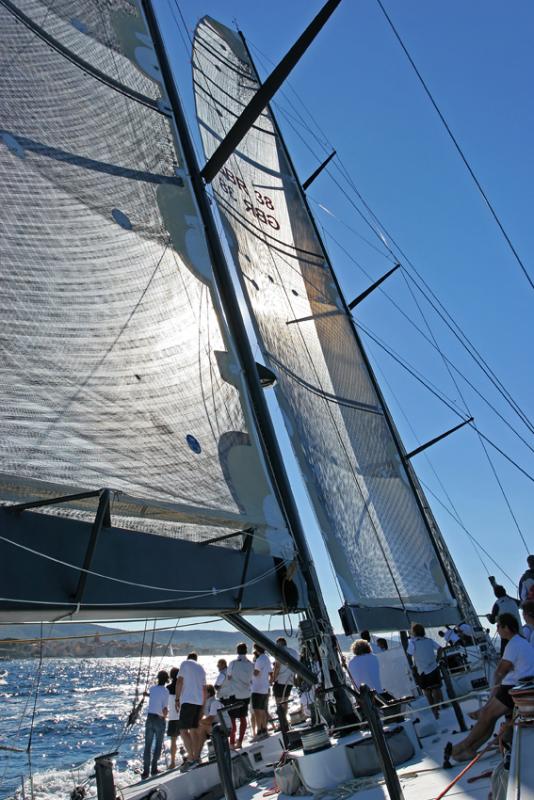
pixel 190 699
pixel 282 681
pixel 260 691
pixel 158 704
pixel 516 663
pixel 423 652
pixel 238 678
pixel 504 604
pixel 364 666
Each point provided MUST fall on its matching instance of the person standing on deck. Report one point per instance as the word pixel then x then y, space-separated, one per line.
pixel 423 652
pixel 526 582
pixel 516 663
pixel 158 705
pixel 222 666
pixel 190 699
pixel 259 698
pixel 238 678
pixel 282 680
pixel 173 725
pixel 504 604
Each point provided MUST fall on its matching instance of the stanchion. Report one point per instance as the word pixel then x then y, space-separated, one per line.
pixel 105 785
pixel 370 712
pixel 219 737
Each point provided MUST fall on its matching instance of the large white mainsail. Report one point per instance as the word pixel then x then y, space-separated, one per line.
pixel 378 538
pixel 117 367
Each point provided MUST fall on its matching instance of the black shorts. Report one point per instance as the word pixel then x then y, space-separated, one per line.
pixel 173 727
pixel 190 715
pixel 503 695
pixel 259 701
pixel 241 710
pixel 431 680
pixel 281 691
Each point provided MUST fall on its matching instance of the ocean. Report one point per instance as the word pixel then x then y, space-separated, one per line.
pixel 81 711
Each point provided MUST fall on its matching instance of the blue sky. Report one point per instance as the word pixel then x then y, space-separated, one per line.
pixel 360 88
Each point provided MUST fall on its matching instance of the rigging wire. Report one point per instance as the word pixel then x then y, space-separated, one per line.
pixel 467 409
pixel 458 148
pixel 410 320
pixel 440 309
pixel 443 399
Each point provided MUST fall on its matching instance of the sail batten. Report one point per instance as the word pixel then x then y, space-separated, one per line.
pixel 367 510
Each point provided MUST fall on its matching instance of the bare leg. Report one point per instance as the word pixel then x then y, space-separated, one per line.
pixel 198 738
pixel 173 747
pixel 483 728
pixel 437 697
pixel 188 743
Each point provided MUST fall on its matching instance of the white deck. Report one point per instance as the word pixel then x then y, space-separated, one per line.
pixel 422 778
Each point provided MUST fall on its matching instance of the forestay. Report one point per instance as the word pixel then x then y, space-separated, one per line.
pixel 375 532
pixel 116 367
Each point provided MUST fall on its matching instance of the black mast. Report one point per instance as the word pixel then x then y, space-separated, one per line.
pixel 317 609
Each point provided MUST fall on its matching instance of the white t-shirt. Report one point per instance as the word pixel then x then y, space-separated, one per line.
pixel 222 686
pixel 158 700
pixel 194 680
pixel 422 650
pixel 451 637
pixel 260 683
pixel 521 654
pixel 286 676
pixel 366 669
pixel 239 676
pixel 528 633
pixel 507 605
pixel 211 706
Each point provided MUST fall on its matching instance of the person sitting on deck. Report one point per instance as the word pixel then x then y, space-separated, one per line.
pixel 423 650
pixel 364 666
pixel 211 708
pixel 517 663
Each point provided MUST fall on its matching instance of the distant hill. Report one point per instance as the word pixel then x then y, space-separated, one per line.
pixel 211 642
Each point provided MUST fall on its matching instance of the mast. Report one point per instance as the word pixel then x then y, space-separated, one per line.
pixel 452 575
pixel 317 611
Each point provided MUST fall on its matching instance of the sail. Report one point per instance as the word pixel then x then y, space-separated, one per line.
pixel 116 368
pixel 372 523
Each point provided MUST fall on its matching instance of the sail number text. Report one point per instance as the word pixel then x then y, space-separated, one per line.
pixel 259 209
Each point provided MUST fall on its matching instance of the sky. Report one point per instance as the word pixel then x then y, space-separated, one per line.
pixel 356 91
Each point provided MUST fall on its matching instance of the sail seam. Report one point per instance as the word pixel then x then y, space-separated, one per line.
pixel 80 62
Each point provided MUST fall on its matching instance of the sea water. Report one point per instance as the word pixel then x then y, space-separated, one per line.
pixel 74 709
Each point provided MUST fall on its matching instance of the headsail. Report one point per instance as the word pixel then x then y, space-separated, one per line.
pixel 370 517
pixel 117 366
